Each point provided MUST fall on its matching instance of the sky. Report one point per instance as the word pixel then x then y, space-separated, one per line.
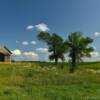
pixel 22 20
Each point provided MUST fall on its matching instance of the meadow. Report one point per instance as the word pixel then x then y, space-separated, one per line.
pixel 45 81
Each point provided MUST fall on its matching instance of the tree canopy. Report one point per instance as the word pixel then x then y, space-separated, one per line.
pixel 56 45
pixel 78 47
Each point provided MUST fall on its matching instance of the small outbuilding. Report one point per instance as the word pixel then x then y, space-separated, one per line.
pixel 5 54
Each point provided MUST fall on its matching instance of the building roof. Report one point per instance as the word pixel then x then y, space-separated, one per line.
pixel 4 50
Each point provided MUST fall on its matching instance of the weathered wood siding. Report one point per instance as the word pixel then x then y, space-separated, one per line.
pixel 7 58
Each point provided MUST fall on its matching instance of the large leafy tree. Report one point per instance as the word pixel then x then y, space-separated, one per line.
pixel 56 45
pixel 78 47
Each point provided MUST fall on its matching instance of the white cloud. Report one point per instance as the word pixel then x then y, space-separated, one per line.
pixel 97 33
pixel 25 43
pixel 42 50
pixel 33 42
pixel 95 54
pixel 16 52
pixel 30 27
pixel 24 56
pixel 92 59
pixel 31 54
pixel 40 27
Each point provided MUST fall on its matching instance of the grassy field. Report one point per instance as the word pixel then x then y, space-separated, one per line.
pixel 41 81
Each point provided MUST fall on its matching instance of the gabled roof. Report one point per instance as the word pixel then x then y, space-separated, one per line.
pixel 4 50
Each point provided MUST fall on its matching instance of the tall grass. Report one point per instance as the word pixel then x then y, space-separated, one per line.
pixel 45 81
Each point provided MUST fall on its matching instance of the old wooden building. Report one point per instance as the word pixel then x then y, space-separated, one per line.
pixel 5 54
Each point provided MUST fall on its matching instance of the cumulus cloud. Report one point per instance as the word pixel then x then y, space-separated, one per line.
pixel 97 33
pixel 32 54
pixel 42 50
pixel 26 56
pixel 33 42
pixel 40 27
pixel 16 52
pixel 25 43
pixel 95 54
pixel 30 27
pixel 92 59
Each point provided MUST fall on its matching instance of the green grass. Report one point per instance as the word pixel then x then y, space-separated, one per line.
pixel 45 81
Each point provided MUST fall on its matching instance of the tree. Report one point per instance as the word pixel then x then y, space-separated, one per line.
pixel 78 47
pixel 56 45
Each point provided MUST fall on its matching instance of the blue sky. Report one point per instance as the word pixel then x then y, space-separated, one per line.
pixel 21 21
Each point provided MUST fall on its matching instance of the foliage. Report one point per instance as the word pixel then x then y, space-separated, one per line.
pixel 56 45
pixel 78 47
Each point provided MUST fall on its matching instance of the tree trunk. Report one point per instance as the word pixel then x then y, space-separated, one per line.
pixel 73 63
pixel 56 60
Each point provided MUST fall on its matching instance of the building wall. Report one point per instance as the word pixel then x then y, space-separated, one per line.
pixel 7 58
